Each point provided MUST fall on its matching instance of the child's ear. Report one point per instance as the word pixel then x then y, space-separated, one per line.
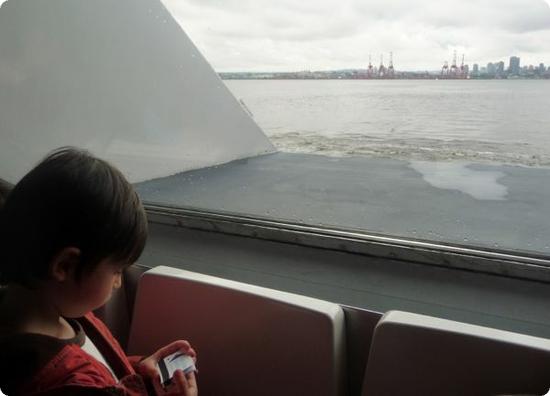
pixel 64 263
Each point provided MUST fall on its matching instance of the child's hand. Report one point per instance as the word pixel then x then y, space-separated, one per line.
pixel 181 385
pixel 148 369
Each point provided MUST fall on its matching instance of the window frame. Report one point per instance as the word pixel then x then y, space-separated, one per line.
pixel 505 263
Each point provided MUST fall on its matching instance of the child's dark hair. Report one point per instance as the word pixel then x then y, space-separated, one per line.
pixel 70 199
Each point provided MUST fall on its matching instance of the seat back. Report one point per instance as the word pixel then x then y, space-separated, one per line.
pixel 117 313
pixel 420 355
pixel 360 325
pixel 5 189
pixel 250 340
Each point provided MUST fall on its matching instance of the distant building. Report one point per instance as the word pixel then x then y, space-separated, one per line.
pixel 491 69
pixel 475 68
pixel 514 68
pixel 500 68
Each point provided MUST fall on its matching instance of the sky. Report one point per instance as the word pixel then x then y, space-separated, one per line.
pixel 294 35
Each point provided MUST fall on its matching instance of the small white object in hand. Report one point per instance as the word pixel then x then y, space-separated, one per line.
pixel 176 361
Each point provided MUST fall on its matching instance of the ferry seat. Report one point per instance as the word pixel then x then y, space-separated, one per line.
pixel 5 189
pixel 414 354
pixel 249 340
pixel 117 313
pixel 360 325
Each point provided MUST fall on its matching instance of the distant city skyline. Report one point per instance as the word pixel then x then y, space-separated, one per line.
pixel 261 35
pixel 512 65
pixel 454 71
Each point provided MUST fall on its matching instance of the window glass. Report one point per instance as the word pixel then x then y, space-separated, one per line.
pixel 426 122
pixel 435 145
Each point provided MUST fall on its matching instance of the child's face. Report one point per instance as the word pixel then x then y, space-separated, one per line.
pixel 93 290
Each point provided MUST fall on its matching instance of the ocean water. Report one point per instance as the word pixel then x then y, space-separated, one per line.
pixel 459 162
pixel 494 121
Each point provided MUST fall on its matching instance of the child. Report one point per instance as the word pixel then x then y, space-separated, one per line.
pixel 67 231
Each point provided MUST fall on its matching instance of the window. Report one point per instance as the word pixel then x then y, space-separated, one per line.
pixel 344 115
pixel 434 146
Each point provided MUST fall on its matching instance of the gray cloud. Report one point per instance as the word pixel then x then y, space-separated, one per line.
pixel 327 34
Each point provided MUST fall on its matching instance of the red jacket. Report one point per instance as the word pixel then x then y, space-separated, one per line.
pixel 36 364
